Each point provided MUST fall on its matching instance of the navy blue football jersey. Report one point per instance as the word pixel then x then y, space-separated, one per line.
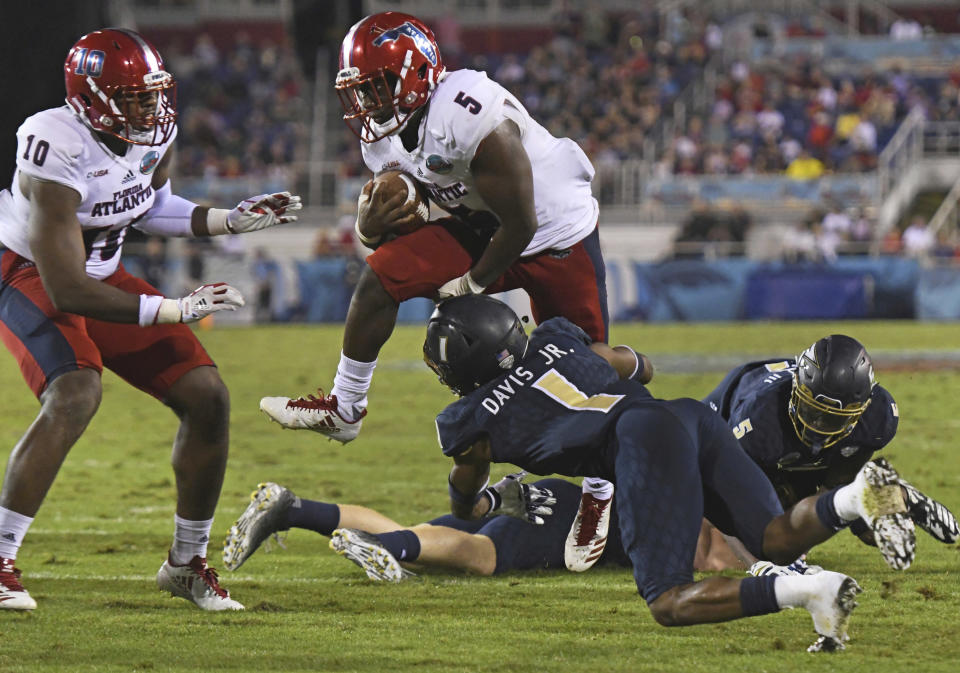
pixel 753 400
pixel 551 413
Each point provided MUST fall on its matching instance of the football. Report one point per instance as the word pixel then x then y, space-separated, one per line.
pixel 398 181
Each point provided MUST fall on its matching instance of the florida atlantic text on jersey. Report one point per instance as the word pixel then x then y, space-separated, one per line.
pixel 115 191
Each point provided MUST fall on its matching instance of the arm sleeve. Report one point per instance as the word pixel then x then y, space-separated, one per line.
pixel 169 215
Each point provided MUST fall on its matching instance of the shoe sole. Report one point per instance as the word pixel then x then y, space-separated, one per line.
pixel 883 502
pixel 376 562
pixel 243 539
pixel 844 604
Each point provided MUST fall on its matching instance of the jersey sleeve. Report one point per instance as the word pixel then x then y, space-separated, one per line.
pixel 879 423
pixel 50 150
pixel 466 112
pixel 456 429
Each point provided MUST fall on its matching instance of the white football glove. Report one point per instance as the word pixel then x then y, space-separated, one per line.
pixel 206 299
pixel 253 214
pixel 511 497
pixel 458 287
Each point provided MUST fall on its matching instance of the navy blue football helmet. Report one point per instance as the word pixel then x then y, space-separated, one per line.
pixel 471 340
pixel 831 390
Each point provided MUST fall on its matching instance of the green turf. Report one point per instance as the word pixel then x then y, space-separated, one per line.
pixel 92 553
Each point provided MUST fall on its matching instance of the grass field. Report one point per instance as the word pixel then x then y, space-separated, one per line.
pixel 92 553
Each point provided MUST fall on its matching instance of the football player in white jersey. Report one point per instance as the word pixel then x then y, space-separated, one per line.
pixel 521 215
pixel 85 173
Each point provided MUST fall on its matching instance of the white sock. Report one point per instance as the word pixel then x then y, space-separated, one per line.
pixel 846 500
pixel 792 591
pixel 13 527
pixel 190 539
pixel 351 384
pixel 601 489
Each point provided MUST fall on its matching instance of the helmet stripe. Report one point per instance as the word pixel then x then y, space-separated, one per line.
pixel 149 55
pixel 347 48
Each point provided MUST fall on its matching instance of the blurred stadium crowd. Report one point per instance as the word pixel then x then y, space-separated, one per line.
pixel 668 89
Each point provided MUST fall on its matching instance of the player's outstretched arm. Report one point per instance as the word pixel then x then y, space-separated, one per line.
pixel 504 179
pixel 628 363
pixel 467 481
pixel 57 245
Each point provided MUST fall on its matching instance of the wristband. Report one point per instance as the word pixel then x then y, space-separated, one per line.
pixel 369 242
pixel 217 223
pixel 149 309
pixel 461 499
pixel 638 368
pixel 496 500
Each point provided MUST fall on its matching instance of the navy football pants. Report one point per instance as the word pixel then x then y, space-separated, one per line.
pixel 676 462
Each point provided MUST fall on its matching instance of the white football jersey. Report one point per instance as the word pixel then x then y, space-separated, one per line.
pixel 55 145
pixel 465 107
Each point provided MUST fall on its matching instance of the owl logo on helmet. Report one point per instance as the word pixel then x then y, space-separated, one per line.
pixel 390 64
pixel 831 390
pixel 116 84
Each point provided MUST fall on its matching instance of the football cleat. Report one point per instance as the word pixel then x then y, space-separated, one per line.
pixel 930 515
pixel 197 582
pixel 830 608
pixel 588 534
pixel 320 414
pixel 798 567
pixel 12 594
pixel 881 505
pixel 367 552
pixel 262 518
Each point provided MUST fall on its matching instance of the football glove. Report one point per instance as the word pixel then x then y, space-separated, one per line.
pixel 253 214
pixel 511 497
pixel 458 287
pixel 208 299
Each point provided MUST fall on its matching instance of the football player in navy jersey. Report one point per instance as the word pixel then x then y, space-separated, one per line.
pixel 559 403
pixel 812 422
pixel 526 530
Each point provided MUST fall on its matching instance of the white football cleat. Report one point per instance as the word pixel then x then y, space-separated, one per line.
pixel 197 582
pixel 262 518
pixel 367 552
pixel 12 594
pixel 830 606
pixel 588 535
pixel 881 505
pixel 320 414
pixel 932 516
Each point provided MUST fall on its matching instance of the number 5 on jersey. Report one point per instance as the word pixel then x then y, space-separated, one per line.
pixel 742 429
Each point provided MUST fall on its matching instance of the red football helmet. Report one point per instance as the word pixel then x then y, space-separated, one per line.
pixel 116 83
pixel 389 65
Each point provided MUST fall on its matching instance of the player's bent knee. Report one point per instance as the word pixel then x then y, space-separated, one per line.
pixel 74 397
pixel 666 608
pixel 201 395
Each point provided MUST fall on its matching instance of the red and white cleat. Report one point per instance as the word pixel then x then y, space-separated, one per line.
pixel 198 583
pixel 588 534
pixel 12 594
pixel 320 414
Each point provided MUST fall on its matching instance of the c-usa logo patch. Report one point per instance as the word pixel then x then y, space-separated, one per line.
pixel 438 164
pixel 149 162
